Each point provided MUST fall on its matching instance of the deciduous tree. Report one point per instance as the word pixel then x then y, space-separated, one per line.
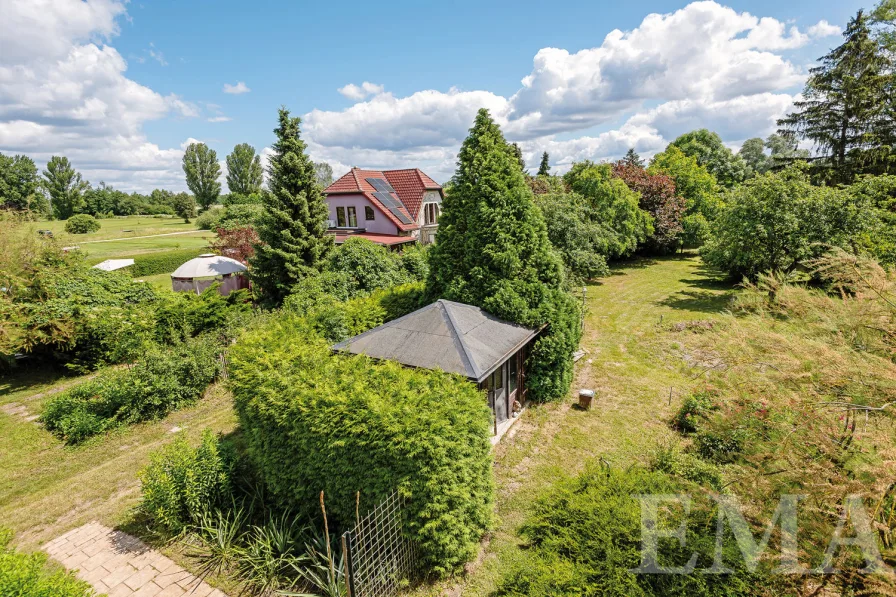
pixel 238 243
pixel 64 187
pixel 244 175
pixel 184 206
pixel 659 199
pixel 18 182
pixel 324 173
pixel 293 241
pixel 202 170
pixel 709 151
pixel 697 186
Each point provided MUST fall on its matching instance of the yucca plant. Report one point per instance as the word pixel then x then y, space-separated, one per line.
pixel 221 533
pixel 271 553
pixel 322 573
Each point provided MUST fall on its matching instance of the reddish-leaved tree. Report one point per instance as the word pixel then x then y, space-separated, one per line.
pixel 237 243
pixel 659 199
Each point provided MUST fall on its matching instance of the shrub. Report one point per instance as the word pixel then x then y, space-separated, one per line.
pixel 695 409
pixel 671 460
pixel 342 424
pixel 366 265
pixel 184 314
pixel 208 219
pixel 182 483
pixel 586 540
pixel 81 224
pixel 163 262
pixel 28 575
pixel 165 379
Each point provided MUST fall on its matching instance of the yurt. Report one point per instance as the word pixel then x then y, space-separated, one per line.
pixel 198 274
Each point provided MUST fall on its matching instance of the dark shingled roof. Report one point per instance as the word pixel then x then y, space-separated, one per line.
pixel 445 335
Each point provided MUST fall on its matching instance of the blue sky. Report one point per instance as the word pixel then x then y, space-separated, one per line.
pixel 120 88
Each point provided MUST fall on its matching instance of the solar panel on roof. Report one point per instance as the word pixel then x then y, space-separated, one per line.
pixel 380 185
pixel 387 199
pixel 400 215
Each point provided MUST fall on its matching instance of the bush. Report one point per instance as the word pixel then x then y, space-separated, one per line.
pixel 342 424
pixel 366 266
pixel 28 575
pixel 586 538
pixel 163 262
pixel 695 409
pixel 165 379
pixel 182 483
pixel 208 219
pixel 184 314
pixel 81 224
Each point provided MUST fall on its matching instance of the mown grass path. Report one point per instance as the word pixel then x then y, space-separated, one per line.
pixel 632 362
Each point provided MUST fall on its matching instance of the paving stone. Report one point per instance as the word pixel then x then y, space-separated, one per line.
pixel 140 578
pixel 120 565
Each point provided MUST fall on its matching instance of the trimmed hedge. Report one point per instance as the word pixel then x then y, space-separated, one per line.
pixel 28 575
pixel 316 422
pixel 165 379
pixel 163 262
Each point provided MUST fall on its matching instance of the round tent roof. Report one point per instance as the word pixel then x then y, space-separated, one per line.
pixel 208 266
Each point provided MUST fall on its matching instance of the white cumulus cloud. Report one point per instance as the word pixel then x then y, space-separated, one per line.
pixel 359 92
pixel 237 89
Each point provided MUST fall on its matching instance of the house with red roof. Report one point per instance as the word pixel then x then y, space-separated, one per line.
pixel 388 207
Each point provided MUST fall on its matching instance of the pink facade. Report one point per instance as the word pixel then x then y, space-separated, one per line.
pixel 379 225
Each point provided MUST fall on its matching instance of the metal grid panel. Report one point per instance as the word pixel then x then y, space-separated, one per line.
pixel 380 556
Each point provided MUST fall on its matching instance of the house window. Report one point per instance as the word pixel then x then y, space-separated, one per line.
pixel 340 217
pixel 352 217
pixel 431 213
pixel 368 213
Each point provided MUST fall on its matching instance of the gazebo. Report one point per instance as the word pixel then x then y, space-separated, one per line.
pixel 198 274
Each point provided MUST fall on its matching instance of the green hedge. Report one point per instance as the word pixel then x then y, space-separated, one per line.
pixel 27 575
pixel 166 378
pixel 316 422
pixel 163 262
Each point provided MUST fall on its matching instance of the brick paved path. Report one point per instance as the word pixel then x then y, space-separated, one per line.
pixel 120 565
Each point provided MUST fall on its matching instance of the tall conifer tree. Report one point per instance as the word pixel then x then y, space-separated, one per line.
pixel 847 110
pixel 493 251
pixel 293 236
pixel 544 169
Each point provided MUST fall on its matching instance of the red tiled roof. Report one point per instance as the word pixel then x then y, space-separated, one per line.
pixel 409 184
pixel 380 239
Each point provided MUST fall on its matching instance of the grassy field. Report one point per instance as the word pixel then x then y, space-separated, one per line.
pixel 117 249
pixel 118 227
pixel 633 361
pixel 47 488
pixel 159 281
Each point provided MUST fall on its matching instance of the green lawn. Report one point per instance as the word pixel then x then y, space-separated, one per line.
pixel 118 227
pixel 47 488
pixel 632 362
pixel 119 249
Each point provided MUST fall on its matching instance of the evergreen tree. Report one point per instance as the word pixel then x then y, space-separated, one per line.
pixel 493 251
pixel 518 154
pixel 847 110
pixel 632 159
pixel 202 170
pixel 544 169
pixel 293 236
pixel 64 187
pixel 244 175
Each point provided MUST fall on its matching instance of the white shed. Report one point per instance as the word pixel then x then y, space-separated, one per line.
pixel 198 274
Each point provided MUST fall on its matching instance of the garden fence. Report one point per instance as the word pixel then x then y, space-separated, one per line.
pixel 379 558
